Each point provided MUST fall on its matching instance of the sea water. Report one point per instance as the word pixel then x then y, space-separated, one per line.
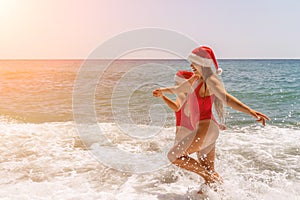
pixel 72 129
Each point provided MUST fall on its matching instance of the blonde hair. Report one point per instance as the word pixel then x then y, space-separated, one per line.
pixel 219 106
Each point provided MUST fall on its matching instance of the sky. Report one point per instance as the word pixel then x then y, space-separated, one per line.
pixel 72 29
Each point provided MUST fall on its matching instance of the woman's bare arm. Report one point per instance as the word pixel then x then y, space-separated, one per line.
pixel 175 106
pixel 182 88
pixel 217 88
pixel 238 105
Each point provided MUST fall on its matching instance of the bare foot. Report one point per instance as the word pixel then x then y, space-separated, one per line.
pixel 213 183
pixel 203 188
pixel 206 186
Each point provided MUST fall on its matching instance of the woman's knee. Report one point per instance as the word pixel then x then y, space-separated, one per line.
pixel 171 156
pixel 174 154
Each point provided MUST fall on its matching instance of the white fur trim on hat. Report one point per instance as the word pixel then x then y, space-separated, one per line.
pixel 179 79
pixel 205 62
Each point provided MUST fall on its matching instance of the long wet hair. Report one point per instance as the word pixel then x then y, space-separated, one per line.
pixel 219 106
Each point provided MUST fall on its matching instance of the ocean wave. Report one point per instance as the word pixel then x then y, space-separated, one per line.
pixel 52 161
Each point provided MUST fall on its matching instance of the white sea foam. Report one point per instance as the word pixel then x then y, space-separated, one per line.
pixel 47 161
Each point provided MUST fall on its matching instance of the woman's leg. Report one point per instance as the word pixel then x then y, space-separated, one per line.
pixel 179 153
pixel 208 162
pixel 207 157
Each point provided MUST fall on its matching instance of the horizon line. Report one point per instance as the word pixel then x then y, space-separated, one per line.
pixel 81 59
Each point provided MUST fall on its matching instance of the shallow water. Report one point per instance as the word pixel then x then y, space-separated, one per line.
pixel 46 155
pixel 47 161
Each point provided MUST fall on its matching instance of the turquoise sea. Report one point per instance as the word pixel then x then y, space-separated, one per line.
pixel 75 129
pixel 271 86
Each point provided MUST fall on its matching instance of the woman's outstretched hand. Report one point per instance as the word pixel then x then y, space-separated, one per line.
pixel 259 116
pixel 157 93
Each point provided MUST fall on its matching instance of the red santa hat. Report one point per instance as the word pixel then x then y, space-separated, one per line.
pixel 183 75
pixel 204 56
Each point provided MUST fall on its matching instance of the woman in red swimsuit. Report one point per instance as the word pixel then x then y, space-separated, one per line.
pixel 205 90
pixel 180 107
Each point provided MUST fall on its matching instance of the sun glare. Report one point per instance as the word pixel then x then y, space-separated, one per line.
pixel 7 7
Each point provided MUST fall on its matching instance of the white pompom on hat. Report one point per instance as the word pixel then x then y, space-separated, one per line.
pixel 204 56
